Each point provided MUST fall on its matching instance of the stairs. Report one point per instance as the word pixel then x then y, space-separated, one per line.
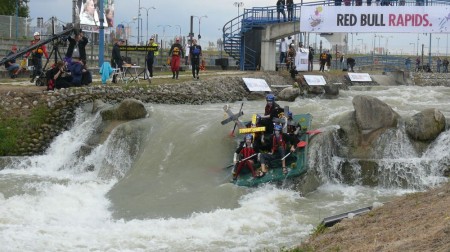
pixel 239 39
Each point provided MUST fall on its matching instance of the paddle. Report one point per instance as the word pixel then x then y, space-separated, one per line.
pixel 247 158
pixel 313 132
pixel 235 124
pixel 300 144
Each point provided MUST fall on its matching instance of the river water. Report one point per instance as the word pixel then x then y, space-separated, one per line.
pixel 158 184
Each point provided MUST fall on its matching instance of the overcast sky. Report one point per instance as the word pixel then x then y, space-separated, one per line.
pixel 219 12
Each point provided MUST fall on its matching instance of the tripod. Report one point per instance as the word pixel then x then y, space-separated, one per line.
pixel 41 79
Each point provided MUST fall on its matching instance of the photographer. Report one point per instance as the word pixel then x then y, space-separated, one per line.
pixel 57 78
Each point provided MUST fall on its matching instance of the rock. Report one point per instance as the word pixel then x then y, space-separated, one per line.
pixel 426 125
pixel 288 94
pixel 331 90
pixel 128 109
pixel 373 114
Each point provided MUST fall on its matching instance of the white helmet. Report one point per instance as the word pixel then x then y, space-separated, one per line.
pixel 36 34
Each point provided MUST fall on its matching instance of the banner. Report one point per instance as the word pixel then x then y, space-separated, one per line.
pixel 301 59
pixel 89 12
pixel 387 19
pixel 138 48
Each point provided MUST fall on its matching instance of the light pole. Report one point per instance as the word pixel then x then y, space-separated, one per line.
pixel 362 44
pixel 238 5
pixel 387 43
pixel 199 19
pixel 179 27
pixel 147 9
pixel 164 33
pixel 438 46
pixel 414 47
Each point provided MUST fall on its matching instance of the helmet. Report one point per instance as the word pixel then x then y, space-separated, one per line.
pixel 36 34
pixel 270 97
pixel 289 114
pixel 249 136
pixel 277 127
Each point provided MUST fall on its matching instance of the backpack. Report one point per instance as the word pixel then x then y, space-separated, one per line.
pixel 196 50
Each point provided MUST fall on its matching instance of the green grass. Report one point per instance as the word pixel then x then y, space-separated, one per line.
pixel 13 130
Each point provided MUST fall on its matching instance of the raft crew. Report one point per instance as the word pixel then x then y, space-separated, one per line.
pixel 278 143
pixel 247 155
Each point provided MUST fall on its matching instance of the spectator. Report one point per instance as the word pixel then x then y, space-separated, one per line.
pixel 438 64
pixel 369 2
pixel 310 59
pixel 283 50
pixel 417 64
pixel 12 67
pixel 351 63
pixel 358 2
pixel 116 58
pixel 347 2
pixel 323 61
pixel 329 57
pixel 408 63
pixel 337 2
pixel 152 52
pixel 290 9
pixel 280 10
pixel 341 61
pixel 176 52
pixel 77 47
pixel 195 54
pixel 187 50
pixel 36 56
pixel 445 65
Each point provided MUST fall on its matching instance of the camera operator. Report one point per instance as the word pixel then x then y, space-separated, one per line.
pixel 78 43
pixel 57 77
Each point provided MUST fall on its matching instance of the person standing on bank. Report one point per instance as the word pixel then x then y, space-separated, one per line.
pixel 280 10
pixel 283 50
pixel 176 51
pixel 195 53
pixel 78 43
pixel 290 9
pixel 116 58
pixel 36 56
pixel 152 52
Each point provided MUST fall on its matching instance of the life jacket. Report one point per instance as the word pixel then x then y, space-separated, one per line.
pixel 176 51
pixel 323 56
pixel 247 151
pixel 278 142
pixel 196 50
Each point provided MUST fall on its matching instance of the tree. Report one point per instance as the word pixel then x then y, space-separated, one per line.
pixel 8 7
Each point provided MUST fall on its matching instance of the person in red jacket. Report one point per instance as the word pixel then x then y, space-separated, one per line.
pixel 247 152
pixel 177 53
pixel 36 55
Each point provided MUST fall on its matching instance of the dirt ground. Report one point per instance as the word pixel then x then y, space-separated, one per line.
pixel 414 222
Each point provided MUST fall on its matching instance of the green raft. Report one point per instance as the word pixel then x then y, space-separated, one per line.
pixel 296 162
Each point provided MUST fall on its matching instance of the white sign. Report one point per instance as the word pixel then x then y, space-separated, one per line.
pixel 256 84
pixel 315 80
pixel 392 19
pixel 301 59
pixel 359 77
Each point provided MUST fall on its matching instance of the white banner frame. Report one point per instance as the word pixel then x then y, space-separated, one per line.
pixel 360 77
pixel 254 84
pixel 392 19
pixel 315 80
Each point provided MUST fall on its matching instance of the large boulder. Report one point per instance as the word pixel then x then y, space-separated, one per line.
pixel 426 125
pixel 373 114
pixel 128 109
pixel 288 94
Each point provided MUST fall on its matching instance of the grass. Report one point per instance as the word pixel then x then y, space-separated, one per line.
pixel 14 130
